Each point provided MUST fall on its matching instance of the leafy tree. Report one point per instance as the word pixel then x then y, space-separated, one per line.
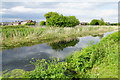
pixel 50 14
pixel 95 22
pixel 101 21
pixel 54 19
pixel 42 23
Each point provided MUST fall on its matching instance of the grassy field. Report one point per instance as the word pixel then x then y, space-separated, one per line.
pixel 97 61
pixel 24 36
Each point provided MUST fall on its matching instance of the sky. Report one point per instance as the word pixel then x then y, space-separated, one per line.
pixel 85 11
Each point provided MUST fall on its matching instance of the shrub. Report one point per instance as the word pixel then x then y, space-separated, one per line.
pixel 113 24
pixel 29 24
pixel 106 23
pixel 97 22
pixel 42 23
pixel 94 22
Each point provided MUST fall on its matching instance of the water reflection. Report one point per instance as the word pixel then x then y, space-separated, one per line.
pixel 20 57
pixel 99 35
pixel 59 46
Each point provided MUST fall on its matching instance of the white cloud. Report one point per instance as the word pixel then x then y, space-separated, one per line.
pixel 12 19
pixel 84 11
pixel 60 0
pixel 2 11
pixel 109 12
pixel 21 9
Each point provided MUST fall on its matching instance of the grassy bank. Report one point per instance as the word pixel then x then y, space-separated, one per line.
pixel 97 61
pixel 16 37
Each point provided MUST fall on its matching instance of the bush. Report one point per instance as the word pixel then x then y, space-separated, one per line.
pixel 113 24
pixel 97 22
pixel 42 23
pixel 54 19
pixel 106 24
pixel 94 22
pixel 29 24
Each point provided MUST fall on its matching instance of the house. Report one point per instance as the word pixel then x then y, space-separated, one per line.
pixel 17 22
pixel 27 21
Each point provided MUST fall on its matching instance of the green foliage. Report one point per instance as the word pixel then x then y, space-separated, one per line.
pixel 106 24
pixel 15 26
pixel 54 19
pixel 81 62
pixel 42 23
pixel 17 37
pixel 29 24
pixel 97 22
pixel 118 24
pixel 101 21
pixel 114 24
pixel 47 69
pixel 94 22
pixel 50 14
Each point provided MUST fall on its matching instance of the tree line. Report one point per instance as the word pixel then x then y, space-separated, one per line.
pixel 58 20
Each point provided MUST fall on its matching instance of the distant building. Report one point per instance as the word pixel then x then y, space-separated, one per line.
pixel 17 22
pixel 5 23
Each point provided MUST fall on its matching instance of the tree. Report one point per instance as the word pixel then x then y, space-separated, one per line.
pixel 50 14
pixel 95 22
pixel 101 22
pixel 54 19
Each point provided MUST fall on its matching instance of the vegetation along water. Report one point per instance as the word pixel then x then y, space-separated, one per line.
pixel 97 61
pixel 26 36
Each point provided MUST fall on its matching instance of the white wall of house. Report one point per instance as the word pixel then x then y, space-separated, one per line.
pixel 22 23
pixel 15 23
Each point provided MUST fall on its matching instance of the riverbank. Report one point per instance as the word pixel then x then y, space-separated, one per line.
pixel 18 37
pixel 97 61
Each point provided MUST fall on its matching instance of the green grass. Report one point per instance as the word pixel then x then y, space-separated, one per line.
pixel 16 37
pixel 15 26
pixel 97 61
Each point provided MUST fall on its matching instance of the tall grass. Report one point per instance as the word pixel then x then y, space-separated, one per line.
pixel 14 37
pixel 97 61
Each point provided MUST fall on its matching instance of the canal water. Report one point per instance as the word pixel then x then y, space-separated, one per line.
pixel 19 58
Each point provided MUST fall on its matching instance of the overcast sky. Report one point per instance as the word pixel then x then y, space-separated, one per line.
pixel 85 11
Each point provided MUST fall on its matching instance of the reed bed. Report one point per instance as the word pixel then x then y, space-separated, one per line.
pixel 15 37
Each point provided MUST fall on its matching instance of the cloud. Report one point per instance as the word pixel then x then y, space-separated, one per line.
pixel 83 11
pixel 60 0
pixel 21 9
